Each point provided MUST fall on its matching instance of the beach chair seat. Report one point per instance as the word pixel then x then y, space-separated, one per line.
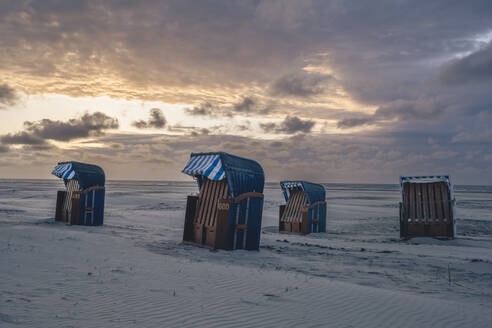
pixel 305 210
pixel 291 219
pixel 205 221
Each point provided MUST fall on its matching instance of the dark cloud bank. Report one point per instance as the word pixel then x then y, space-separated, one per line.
pixel 156 120
pixel 37 133
pixel 8 96
pixel 290 125
pixel 247 106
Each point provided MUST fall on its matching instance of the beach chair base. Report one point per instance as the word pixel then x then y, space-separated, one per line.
pixel 89 212
pixel 202 235
pixel 293 227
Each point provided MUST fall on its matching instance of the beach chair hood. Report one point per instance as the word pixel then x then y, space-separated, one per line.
pixel 87 175
pixel 427 179
pixel 314 192
pixel 242 174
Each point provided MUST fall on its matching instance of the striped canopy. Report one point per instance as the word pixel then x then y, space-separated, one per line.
pixel 208 165
pixel 87 175
pixel 64 171
pixel 314 192
pixel 291 184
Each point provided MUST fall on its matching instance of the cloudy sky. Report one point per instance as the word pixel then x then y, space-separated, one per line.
pixel 330 91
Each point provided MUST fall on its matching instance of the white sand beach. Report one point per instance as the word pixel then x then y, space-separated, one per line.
pixel 135 272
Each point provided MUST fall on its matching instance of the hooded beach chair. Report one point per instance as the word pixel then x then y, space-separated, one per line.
pixel 427 207
pixel 305 211
pixel 227 212
pixel 82 202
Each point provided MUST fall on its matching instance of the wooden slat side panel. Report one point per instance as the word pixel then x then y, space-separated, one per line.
pixel 191 206
pixel 202 200
pixel 222 195
pixel 288 209
pixel 212 203
pixel 281 211
pixel 300 208
pixel 60 199
pixel 205 217
pixel 208 202
pixel 294 207
pixel 291 206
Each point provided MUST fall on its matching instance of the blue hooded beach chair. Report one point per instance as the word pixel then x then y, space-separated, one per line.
pixel 82 202
pixel 227 212
pixel 305 210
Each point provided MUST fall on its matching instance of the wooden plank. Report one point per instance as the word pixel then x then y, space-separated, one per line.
pixel 432 203
pixel 90 188
pixel 412 201
pixel 208 202
pixel 75 208
pixel 305 223
pixel 301 208
pixel 293 206
pixel 60 199
pixel 288 211
pixel 425 202
pixel 439 209
pixel 191 204
pixel 221 225
pixel 315 204
pixel 248 195
pixel 281 211
pixel 212 203
pixel 222 195
pixel 201 200
pixel 406 202
pixel 445 199
pixel 418 201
